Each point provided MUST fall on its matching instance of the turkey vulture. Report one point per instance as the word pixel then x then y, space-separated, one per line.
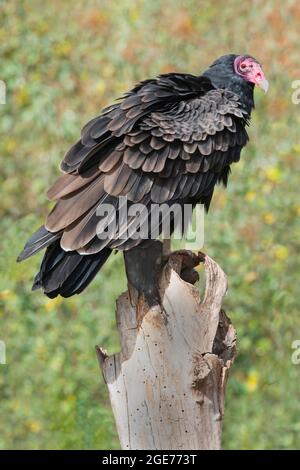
pixel 170 139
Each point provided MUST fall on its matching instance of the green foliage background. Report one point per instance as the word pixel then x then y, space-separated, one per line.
pixel 62 62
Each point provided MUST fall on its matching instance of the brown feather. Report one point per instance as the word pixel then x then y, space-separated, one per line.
pixel 69 209
pixel 67 184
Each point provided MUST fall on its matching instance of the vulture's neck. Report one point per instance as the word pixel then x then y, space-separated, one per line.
pixel 235 84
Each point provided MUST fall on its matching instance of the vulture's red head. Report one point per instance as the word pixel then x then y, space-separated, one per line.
pixel 238 73
pixel 250 70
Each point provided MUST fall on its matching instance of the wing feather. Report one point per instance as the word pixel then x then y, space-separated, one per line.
pixel 169 140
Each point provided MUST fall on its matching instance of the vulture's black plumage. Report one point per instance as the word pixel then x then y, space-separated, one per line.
pixel 170 139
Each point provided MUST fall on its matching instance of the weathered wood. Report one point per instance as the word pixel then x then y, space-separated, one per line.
pixel 167 385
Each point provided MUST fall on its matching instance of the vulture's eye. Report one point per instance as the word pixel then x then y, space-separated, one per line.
pixel 243 66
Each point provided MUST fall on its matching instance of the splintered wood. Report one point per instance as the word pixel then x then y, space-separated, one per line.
pixel 167 385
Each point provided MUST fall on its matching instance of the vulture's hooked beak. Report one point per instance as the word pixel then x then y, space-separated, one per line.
pixel 263 84
pixel 257 76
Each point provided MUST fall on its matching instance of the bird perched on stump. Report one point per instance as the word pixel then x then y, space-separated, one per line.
pixel 169 140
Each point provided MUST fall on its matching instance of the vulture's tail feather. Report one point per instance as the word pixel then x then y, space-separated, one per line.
pixel 62 272
pixel 38 241
pixel 67 273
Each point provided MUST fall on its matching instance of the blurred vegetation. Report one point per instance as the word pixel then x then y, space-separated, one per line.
pixel 62 62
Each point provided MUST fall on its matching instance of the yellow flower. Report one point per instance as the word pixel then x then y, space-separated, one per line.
pixel 250 196
pixel 35 76
pixel 71 398
pixel 15 404
pixel 269 218
pixel 134 14
pixel 34 426
pixel 107 71
pixel 274 174
pixel 10 145
pixel 52 304
pixel 281 252
pixel 252 381
pixel 42 27
pixel 6 294
pixel 250 277
pixel 63 49
pixel 297 148
pixel 83 76
pixel 100 87
pixel 22 97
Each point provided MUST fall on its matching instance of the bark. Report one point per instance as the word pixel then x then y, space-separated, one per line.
pixel 167 385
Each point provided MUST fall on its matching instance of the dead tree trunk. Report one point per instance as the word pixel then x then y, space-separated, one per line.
pixel 167 384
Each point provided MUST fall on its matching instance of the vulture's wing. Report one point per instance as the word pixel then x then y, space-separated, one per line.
pixel 170 140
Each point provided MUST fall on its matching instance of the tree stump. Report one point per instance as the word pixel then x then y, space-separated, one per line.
pixel 167 385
